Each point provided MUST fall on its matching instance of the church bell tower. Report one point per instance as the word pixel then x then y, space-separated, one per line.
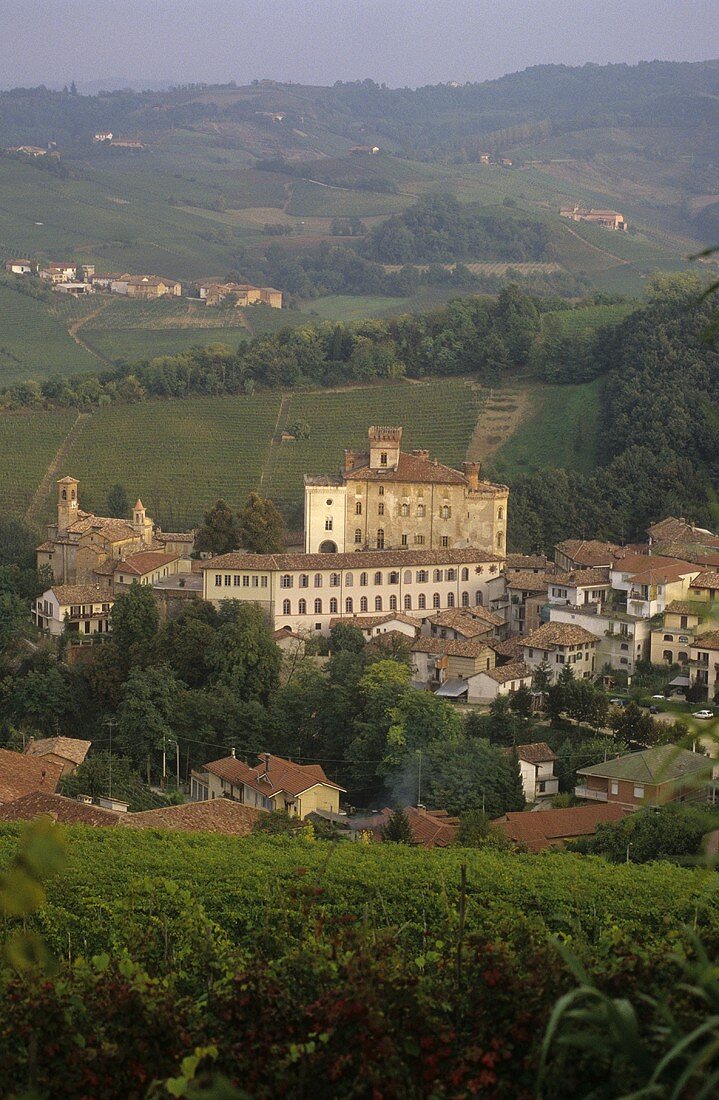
pixel 66 503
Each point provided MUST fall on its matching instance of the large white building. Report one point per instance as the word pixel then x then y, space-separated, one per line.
pixel 307 591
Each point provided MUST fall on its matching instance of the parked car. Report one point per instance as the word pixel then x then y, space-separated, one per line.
pixel 703 714
pixel 654 710
pixel 658 697
pixel 617 702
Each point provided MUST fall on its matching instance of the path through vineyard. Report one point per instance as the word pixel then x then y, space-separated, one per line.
pixel 54 469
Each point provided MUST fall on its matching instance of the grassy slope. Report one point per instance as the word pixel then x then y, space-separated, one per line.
pixel 28 442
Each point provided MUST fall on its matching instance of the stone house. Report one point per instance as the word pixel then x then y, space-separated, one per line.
pixel 553 646
pixel 81 608
pixel 67 752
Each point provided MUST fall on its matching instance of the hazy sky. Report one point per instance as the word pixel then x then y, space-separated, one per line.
pixel 319 41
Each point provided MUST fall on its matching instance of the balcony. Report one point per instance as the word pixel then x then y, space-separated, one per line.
pixel 591 794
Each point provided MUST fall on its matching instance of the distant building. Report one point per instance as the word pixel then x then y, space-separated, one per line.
pixel 29 150
pixel 79 608
pixel 242 294
pixel 103 135
pixel 654 777
pixel 536 765
pixel 535 832
pixel 59 273
pixel 21 267
pixel 607 219
pixel 273 784
pixel 146 287
pixel 554 645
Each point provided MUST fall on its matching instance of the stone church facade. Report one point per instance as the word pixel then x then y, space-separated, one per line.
pixel 387 499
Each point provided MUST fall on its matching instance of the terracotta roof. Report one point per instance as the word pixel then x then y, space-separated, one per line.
pixel 216 815
pixel 663 574
pixel 549 635
pixel 589 552
pixel 546 828
pixel 510 647
pixel 690 551
pixel 710 640
pixel 450 646
pixel 687 607
pixel 708 579
pixel 367 559
pixel 538 752
pixel 672 529
pixel 527 561
pixel 280 775
pixel 662 764
pixel 639 563
pixel 68 594
pixel 366 622
pixel 502 674
pixel 114 530
pixel 21 774
pixel 144 562
pixel 69 748
pixel 67 811
pixel 464 624
pixel 430 828
pixel 529 582
pixel 581 577
pixel 410 468
pixel 46 547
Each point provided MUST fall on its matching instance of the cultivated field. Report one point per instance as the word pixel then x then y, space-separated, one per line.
pixel 28 442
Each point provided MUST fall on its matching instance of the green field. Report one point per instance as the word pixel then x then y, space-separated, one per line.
pixel 591 317
pixel 34 343
pixel 561 431
pixel 28 443
pixel 136 343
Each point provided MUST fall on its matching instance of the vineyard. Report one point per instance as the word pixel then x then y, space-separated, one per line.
pixel 28 443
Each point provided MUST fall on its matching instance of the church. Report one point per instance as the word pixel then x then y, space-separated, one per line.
pixel 388 499
pixel 82 548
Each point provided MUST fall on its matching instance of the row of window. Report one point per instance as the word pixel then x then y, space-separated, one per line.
pixel 378 604
pixel 681 638
pixel 287 580
pixel 244 581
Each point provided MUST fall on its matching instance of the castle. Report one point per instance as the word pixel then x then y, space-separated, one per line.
pixel 387 499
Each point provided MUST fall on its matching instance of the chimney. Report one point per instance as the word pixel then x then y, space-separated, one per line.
pixel 349 462
pixel 471 472
pixel 232 752
pixel 267 763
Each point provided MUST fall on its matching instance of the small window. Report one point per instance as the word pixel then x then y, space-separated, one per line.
pixel 349 580
pixel 378 603
pixel 422 601
pixel 328 523
pixel 380 538
pixel 444 541
pixel 318 607
pixel 286 580
pixel 422 576
pixel 286 607
pixel 245 580
pixel 668 637
pixel 408 603
pixel 318 580
pixel 329 503
pixel 682 657
pixel 500 540
pixel 638 791
pixel 358 534
pixel 383 458
pixel 465 574
pixel 420 511
pixel 436 600
pixel 404 540
pixel 378 578
pixel 228 580
pixel 404 510
pixel 358 508
pixel 263 582
pixel 218 580
pixel 394 577
pixel 393 603
pixel 302 607
pixel 380 508
pixel 363 579
pixel 381 490
pixel 451 575
pixel 349 606
pixel 445 511
pixel 236 583
pixel 478 599
pixel 500 513
pixel 363 603
pixel 614 786
pixel 419 540
pixel 304 580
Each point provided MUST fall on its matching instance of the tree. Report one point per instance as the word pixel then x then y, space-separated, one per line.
pixel 218 533
pixel 135 620
pixel 146 712
pixel 520 702
pixel 346 638
pixel 471 775
pixel 118 502
pixel 260 526
pixel 476 831
pixel 503 725
pixel 243 653
pixel 631 723
pixel 398 830
pixel 672 832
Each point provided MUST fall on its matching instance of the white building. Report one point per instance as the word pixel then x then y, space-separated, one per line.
pixel 85 608
pixel 485 686
pixel 622 639
pixel 554 645
pixel 536 764
pixel 650 582
pixel 309 591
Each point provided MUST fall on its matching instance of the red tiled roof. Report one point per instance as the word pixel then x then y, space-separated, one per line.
pixel 69 748
pixel 366 622
pixel 708 579
pixel 67 811
pixel 216 815
pixel 453 647
pixel 144 562
pixel 537 752
pixel 513 648
pixel 278 775
pixel 589 552
pixel 558 634
pixel 409 468
pixel 21 774
pixel 536 830
pixel 361 559
pixel 430 828
pixel 502 674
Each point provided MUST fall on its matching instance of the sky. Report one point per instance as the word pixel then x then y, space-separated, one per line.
pixel 397 42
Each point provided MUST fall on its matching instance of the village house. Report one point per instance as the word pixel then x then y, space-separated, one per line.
pixel 653 777
pixel 622 640
pixel 681 622
pixel 273 784
pixel 504 680
pixel 21 267
pixel 705 586
pixel 77 608
pixel 59 273
pixel 21 774
pixel 372 626
pixel 650 582
pixel 147 567
pixel 76 289
pixel 553 646
pixel 526 595
pixel 146 287
pixel 578 588
pixel 67 752
pixel 586 554
pixel 607 219
pixel 429 828
pixel 528 563
pixel 535 832
pixel 241 295
pixel 704 663
pixel 308 591
pixel 673 530
pixel 536 765
pixel 437 661
pixel 465 624
pixel 385 499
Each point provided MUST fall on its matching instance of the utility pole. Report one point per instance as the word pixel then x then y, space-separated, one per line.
pixel 177 762
pixel 109 722
pixel 164 761
pixel 419 778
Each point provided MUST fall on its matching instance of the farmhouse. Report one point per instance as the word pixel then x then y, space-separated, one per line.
pixel 309 591
pixel 536 765
pixel 59 273
pixel 385 499
pixel 21 267
pixel 241 294
pixel 146 287
pixel 607 219
pixel 273 784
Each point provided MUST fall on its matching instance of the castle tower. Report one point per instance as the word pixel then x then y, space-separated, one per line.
pixel 66 503
pixel 384 447
pixel 142 524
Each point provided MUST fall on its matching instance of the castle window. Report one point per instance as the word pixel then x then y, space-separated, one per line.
pixel 363 603
pixel 436 602
pixel 348 605
pixel 381 490
pixel 302 607
pixel 383 458
pixel 408 603
pixel 393 603
pixel 286 580
pixel 318 607
pixel 363 579
pixel 333 606
pixel 444 542
pixel 394 577
pixel 358 534
pixel 380 508
pixel 408 576
pixel 437 575
pixel 358 508
pixel 286 607
pixel 334 580
pixel 450 599
pixel 500 538
pixel 465 574
pixel 404 510
pixel 420 511
pixel 500 513
pixel 451 575
pixel 328 523
pixel 349 580
pixel 318 580
pixel 465 599
pixel 422 576
pixel 380 538
pixel 404 540
pixel 419 540
pixel 445 511
pixel 378 603
pixel 304 580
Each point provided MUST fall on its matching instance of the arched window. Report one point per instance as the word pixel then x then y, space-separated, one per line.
pixel 668 637
pixel 286 607
pixel 304 580
pixel 393 603
pixel 683 657
pixel 358 508
pixel 380 538
pixel 408 603
pixel 378 578
pixel 349 606
pixel 500 512
pixel 349 580
pixel 437 575
pixel 420 511
pixel 318 607
pixel 334 580
pixel 667 656
pixel 465 599
pixel 358 534
pixel 383 458
pixel 363 603
pixel 445 511
pixel 450 599
pixel 328 523
pixel 500 540
pixel 378 603
pixel 422 601
pixel 422 576
pixel 286 580
pixel 451 575
pixel 465 574
pixel 394 577
pixel 302 607
pixel 479 599
pixel 380 508
pixel 318 580
pixel 436 600
pixel 333 606
pixel 408 576
pixel 363 579
pixel 404 510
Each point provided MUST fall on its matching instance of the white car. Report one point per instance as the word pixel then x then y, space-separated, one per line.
pixel 702 714
pixel 657 697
